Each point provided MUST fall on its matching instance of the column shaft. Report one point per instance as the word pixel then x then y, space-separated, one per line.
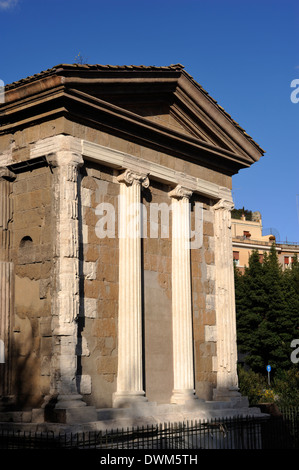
pixel 227 379
pixel 130 372
pixel 183 362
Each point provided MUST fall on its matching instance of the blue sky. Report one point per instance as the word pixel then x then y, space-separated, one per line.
pixel 244 53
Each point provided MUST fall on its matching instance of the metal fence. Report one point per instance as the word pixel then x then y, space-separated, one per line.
pixel 230 433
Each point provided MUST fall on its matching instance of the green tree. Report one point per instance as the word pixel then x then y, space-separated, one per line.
pixel 267 305
pixel 250 308
pixel 289 323
pixel 237 213
pixel 272 330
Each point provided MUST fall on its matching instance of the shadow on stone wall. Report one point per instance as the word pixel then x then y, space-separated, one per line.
pixel 21 392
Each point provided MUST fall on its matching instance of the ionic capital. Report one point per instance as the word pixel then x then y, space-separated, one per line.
pixel 64 158
pixel 130 177
pixel 224 205
pixel 180 192
pixel 6 174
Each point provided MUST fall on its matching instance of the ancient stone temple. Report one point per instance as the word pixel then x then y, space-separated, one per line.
pixel 116 261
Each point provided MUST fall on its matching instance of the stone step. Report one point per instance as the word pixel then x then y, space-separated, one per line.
pixel 149 409
pixel 153 413
pixel 212 405
pixel 15 416
pixel 143 414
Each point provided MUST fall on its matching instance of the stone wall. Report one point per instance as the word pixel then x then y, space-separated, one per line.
pixel 204 317
pixel 158 356
pixel 32 255
pixel 99 290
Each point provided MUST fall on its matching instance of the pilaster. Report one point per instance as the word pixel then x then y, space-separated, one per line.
pixel 65 166
pixel 6 177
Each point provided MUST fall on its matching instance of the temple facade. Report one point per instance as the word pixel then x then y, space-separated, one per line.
pixel 116 258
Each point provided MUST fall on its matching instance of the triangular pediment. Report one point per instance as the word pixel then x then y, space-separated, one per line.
pixel 158 106
pixel 179 120
pixel 163 115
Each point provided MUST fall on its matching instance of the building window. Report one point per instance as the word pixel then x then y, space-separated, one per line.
pixel 288 261
pixel 261 257
pixel 236 257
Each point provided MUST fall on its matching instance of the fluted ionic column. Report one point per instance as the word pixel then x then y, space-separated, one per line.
pixel 130 376
pixel 183 365
pixel 227 379
pixel 65 306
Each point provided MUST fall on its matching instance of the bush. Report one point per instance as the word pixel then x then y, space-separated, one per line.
pixel 252 385
pixel 284 390
pixel 286 387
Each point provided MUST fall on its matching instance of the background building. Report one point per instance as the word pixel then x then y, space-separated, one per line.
pixel 248 235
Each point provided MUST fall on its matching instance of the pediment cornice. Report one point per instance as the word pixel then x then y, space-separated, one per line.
pixel 99 97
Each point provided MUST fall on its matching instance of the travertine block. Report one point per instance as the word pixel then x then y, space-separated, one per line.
pixel 90 270
pixel 210 333
pixel 46 365
pixel 84 382
pixel 86 197
pixel 90 308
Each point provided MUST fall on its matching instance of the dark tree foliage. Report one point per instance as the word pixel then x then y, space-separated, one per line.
pixel 267 307
pixel 237 213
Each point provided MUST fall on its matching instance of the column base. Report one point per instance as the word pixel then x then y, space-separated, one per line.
pixel 226 394
pixel 182 397
pixel 74 415
pixel 128 399
pixel 69 401
pixel 69 409
pixel 231 395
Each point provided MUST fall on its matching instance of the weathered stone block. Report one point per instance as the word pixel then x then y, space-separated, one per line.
pixel 46 365
pixel 89 308
pixel 91 288
pixel 90 270
pixel 84 384
pixel 86 197
pixel 107 365
pixel 92 253
pixel 46 326
pixel 46 346
pixel 210 333
pixel 105 327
